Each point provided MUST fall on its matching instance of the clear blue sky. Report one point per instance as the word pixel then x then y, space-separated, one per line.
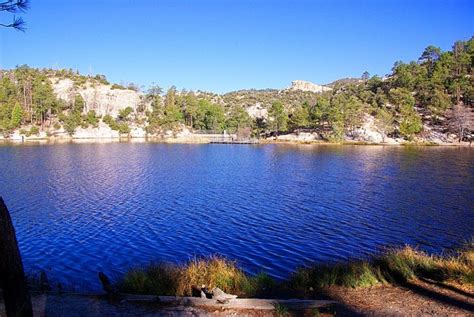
pixel 224 45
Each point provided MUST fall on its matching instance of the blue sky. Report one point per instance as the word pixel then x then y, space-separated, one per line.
pixel 232 44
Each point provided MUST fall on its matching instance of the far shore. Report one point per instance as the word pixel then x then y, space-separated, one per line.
pixel 202 140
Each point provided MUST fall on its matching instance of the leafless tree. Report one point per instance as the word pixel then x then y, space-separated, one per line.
pixel 461 120
pixel 14 6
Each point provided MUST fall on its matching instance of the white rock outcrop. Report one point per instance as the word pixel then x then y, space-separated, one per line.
pixel 137 132
pixel 307 86
pixel 300 137
pixel 99 97
pixel 257 111
pixel 368 132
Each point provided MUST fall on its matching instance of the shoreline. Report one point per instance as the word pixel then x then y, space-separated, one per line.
pixel 381 284
pixel 199 139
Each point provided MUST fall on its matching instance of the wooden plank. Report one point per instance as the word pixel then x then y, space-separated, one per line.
pixel 12 276
pixel 238 303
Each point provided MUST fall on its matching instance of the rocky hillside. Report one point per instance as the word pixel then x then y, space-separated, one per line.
pixel 102 98
pixel 428 100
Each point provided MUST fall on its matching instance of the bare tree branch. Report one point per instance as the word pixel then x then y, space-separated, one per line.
pixel 461 120
pixel 17 24
pixel 15 6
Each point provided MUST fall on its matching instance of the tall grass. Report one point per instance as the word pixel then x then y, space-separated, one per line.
pixel 211 272
pixel 408 263
pixel 394 266
pixel 181 280
pixel 351 274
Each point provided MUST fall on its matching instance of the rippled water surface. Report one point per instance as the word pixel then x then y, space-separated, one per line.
pixel 83 208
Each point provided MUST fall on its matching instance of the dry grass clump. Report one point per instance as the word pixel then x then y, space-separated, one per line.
pixel 213 271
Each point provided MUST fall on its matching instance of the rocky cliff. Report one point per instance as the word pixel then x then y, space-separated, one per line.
pixel 99 97
pixel 307 86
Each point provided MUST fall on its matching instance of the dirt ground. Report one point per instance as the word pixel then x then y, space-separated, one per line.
pixel 420 298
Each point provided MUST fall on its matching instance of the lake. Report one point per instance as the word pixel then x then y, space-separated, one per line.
pixel 83 208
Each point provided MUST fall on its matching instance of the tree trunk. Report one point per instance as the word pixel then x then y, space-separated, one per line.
pixel 12 277
pixel 461 134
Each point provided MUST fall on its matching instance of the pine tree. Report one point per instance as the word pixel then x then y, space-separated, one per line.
pixel 279 117
pixel 17 116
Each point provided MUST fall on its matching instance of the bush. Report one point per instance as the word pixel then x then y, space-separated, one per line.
pixel 117 86
pixel 121 127
pixel 71 122
pixel 410 123
pixel 91 119
pixel 107 119
pixel 124 113
pixel 34 130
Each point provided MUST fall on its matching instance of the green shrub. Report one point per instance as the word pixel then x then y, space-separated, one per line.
pixel 107 119
pixel 91 119
pixel 71 122
pixel 124 113
pixel 117 86
pixel 410 123
pixel 34 130
pixel 121 127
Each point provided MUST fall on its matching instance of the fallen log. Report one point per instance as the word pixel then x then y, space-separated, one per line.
pixel 237 303
pixel 216 303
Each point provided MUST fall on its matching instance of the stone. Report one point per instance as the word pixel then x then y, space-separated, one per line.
pixel 221 296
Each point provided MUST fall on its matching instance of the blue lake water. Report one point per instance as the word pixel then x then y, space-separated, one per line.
pixel 83 208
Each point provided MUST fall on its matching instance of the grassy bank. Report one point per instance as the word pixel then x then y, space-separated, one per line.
pixel 181 280
pixel 396 266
